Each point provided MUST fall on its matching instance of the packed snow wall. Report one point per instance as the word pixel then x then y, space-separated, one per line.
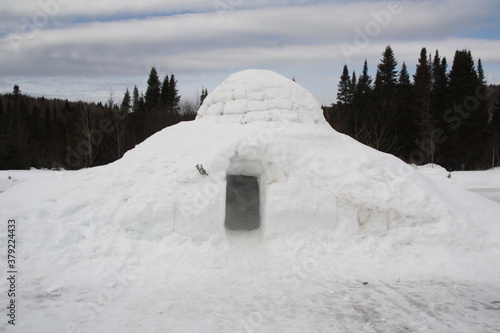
pixel 288 201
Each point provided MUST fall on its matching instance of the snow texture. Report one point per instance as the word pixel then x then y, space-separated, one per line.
pixel 350 239
pixel 260 95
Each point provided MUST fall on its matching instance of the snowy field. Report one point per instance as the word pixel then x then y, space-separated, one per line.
pixel 296 283
pixel 351 240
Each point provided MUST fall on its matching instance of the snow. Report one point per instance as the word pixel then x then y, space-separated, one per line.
pixel 485 183
pixel 260 95
pixel 351 240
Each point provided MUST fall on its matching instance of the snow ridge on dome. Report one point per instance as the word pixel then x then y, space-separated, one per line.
pixel 260 95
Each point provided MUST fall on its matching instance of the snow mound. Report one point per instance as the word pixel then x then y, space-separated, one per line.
pixel 260 95
pixel 349 239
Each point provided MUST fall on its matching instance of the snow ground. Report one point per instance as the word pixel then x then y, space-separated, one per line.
pixel 304 282
pixel 485 183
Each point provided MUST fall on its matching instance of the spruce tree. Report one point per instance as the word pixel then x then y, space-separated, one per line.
pixel 153 92
pixel 406 122
pixel 126 103
pixel 494 129
pixel 386 77
pixel 343 118
pixel 135 99
pixel 204 94
pixel 1 115
pixel 382 130
pixel 439 89
pixel 174 94
pixel 422 109
pixel 466 116
pixel 362 104
pixel 344 96
pixel 165 93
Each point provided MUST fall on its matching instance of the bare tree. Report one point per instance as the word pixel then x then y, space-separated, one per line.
pixel 87 135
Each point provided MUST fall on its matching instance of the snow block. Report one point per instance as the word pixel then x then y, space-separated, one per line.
pixel 252 91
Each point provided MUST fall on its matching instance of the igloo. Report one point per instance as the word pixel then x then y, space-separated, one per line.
pixel 259 159
pixel 251 189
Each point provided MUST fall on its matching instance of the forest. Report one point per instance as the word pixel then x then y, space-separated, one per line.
pixel 54 133
pixel 449 117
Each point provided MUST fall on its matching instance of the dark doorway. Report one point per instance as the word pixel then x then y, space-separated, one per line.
pixel 242 203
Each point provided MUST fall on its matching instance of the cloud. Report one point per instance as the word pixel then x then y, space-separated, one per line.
pixel 111 38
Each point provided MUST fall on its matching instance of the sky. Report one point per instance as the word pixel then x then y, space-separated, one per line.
pixel 89 49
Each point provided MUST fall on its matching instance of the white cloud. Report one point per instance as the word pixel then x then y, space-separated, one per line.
pixel 288 34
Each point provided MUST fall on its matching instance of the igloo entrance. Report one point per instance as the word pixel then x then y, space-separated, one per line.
pixel 242 203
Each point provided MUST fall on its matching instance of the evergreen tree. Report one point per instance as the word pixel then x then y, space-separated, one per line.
pixel 480 73
pixel 406 122
pixel 466 116
pixel 386 78
pixel 174 94
pixel 362 104
pixel 153 92
pixel 439 88
pixel 135 99
pixel 422 109
pixel 382 132
pixel 172 99
pixel 204 94
pixel 165 93
pixel 343 119
pixel 354 83
pixel 126 103
pixel 494 129
pixel 1 114
pixel 344 96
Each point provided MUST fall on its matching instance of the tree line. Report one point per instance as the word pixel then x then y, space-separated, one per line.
pixel 439 115
pixel 55 133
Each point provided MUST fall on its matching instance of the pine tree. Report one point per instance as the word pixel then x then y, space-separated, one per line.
pixel 382 132
pixel 362 104
pixel 354 83
pixel 135 99
pixel 153 92
pixel 480 73
pixel 204 94
pixel 406 122
pixel 439 89
pixel 126 103
pixel 165 93
pixel 343 120
pixel 174 94
pixel 466 116
pixel 1 114
pixel 3 139
pixel 494 129
pixel 422 109
pixel 386 77
pixel 344 96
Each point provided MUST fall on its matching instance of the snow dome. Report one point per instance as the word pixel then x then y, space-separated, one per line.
pixel 259 159
pixel 260 95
